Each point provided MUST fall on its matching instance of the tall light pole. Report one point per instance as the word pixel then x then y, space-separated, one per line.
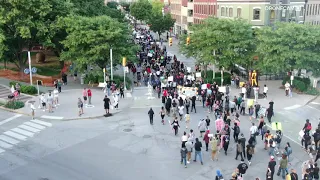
pixel 111 68
pixel 30 72
pixel 222 76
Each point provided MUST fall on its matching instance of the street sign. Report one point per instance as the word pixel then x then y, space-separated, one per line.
pixel 26 71
pixel 34 70
pixel 126 69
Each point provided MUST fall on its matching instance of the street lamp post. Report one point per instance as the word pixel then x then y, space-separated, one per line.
pixel 111 66
pixel 222 76
pixel 30 72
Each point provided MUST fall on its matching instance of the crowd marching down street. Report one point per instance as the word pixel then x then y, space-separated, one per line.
pixel 179 89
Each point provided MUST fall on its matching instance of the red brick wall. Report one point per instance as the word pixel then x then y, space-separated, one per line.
pixel 184 3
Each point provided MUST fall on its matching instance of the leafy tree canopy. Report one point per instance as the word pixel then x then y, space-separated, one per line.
pixel 160 23
pixel 230 40
pixel 289 46
pixel 112 4
pixel 157 6
pixel 89 41
pixel 141 9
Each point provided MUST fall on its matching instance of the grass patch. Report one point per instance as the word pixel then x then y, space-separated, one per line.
pixel 48 70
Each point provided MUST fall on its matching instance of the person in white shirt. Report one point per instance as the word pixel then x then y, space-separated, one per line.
pixel 184 138
pixel 287 88
pixel 180 110
pixel 256 93
pixel 43 102
pixel 244 91
pixel 253 130
pixel 56 97
pixel 32 109
pixel 265 91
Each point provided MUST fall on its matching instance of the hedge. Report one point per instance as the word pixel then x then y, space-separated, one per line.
pixel 306 81
pixel 14 104
pixel 26 89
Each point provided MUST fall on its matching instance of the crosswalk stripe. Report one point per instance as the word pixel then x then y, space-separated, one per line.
pixel 52 117
pixel 42 123
pixel 31 129
pixel 2 150
pixel 34 125
pixel 8 139
pixel 15 135
pixel 23 132
pixel 5 145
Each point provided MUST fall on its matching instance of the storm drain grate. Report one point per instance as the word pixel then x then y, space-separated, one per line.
pixel 127 130
pixel 146 136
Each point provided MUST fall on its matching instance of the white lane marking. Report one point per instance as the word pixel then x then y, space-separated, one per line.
pixel 15 135
pixel 10 119
pixel 8 139
pixel 23 132
pixel 128 95
pixel 42 123
pixel 34 125
pixel 292 107
pixel 5 145
pixel 31 129
pixel 2 150
pixel 314 103
pixel 313 108
pixel 51 117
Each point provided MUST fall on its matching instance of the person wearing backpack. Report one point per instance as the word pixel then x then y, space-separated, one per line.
pixel 316 171
pixel 219 175
pixel 250 152
pixel 307 126
pixel 236 132
pixel 316 137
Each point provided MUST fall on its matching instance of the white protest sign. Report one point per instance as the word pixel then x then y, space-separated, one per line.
pixel 198 74
pixel 170 78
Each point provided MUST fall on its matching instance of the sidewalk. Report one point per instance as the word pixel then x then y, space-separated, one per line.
pixel 68 108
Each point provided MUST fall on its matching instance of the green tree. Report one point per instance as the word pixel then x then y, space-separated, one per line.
pixel 157 6
pixel 2 44
pixel 220 41
pixel 160 23
pixel 25 24
pixel 141 9
pixel 89 41
pixel 289 46
pixel 112 5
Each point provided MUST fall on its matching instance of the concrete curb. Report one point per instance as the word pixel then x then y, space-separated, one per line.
pixel 314 98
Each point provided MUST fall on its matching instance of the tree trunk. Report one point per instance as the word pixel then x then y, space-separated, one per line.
pixel 159 36
pixel 205 66
pixel 61 62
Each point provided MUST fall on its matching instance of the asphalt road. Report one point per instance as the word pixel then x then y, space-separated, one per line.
pixel 122 147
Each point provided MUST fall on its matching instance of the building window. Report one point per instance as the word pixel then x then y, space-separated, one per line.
pixel 222 11
pixel 318 9
pixel 256 14
pixel 272 14
pixel 313 9
pixel 301 11
pixel 238 12
pixel 230 12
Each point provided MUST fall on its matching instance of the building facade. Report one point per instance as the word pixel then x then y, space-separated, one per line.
pixel 203 9
pixel 312 13
pixel 175 10
pixel 253 11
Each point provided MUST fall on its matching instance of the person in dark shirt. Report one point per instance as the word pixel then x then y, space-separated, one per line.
pixel 193 103
pixel 271 166
pixel 106 104
pixel 293 175
pixel 197 148
pixel 151 113
pixel 242 167
pixel 271 103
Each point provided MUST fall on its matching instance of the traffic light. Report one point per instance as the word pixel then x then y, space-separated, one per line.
pixel 170 41
pixel 188 40
pixel 124 61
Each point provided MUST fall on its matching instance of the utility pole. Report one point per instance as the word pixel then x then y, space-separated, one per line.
pixel 111 68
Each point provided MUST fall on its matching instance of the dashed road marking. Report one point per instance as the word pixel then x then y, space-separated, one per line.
pixel 8 139
pixel 42 123
pixel 34 125
pixel 10 119
pixel 31 129
pixel 23 132
pixel 15 135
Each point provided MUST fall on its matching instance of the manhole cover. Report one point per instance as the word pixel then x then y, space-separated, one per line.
pixel 146 136
pixel 127 130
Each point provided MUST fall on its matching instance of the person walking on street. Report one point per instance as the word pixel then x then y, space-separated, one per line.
pixel 283 166
pixel 225 143
pixel 162 114
pixel 183 152
pixel 202 126
pixel 193 104
pixel 187 103
pixel 187 117
pixel 219 175
pixel 214 148
pixel 151 113
pixel 239 151
pixel 243 143
pixel 189 147
pixel 107 104
pixel 265 91
pixel 206 139
pixel 197 152
pixel 89 95
pixel 271 167
pixel 175 125
pixel 80 106
pixel 250 152
pixel 121 92
pixel 184 139
pixel 85 95
pixel 236 132
pixel 56 97
pixel 50 102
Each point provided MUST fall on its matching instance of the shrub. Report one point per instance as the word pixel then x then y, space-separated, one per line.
pixel 119 80
pixel 306 81
pixel 226 80
pixel 217 74
pixel 29 89
pixel 312 91
pixel 14 104
pixel 26 89
pixel 299 85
